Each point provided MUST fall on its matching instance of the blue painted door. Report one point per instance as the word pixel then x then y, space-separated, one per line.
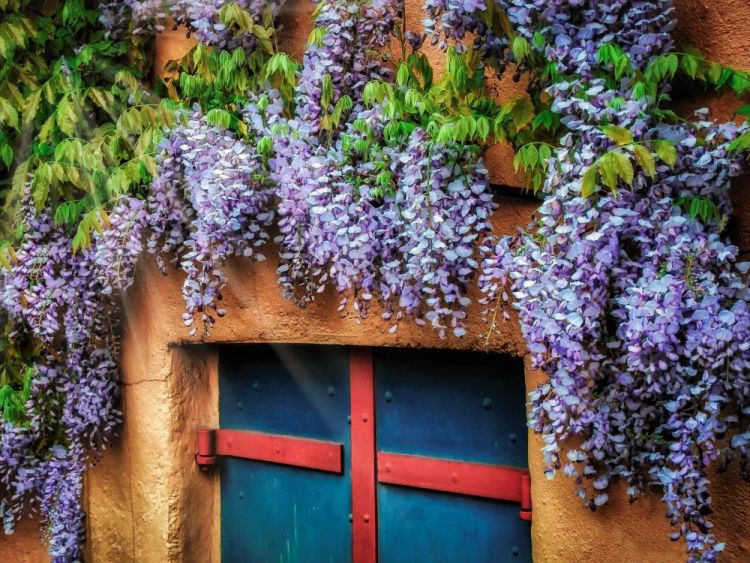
pixel 452 406
pixel 441 405
pixel 278 513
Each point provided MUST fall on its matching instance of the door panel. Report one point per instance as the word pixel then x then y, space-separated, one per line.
pixel 272 512
pixel 283 514
pixel 452 406
pixel 422 526
pixel 286 389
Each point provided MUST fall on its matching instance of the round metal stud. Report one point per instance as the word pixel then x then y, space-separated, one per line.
pixel 388 396
pixel 513 438
pixel 515 551
pixel 487 403
pixel 331 391
pixel 256 386
pixel 239 406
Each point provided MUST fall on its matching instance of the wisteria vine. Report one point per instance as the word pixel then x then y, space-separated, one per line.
pixel 636 309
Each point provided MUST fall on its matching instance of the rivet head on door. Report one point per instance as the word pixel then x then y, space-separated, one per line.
pixel 388 396
pixel 513 438
pixel 331 391
pixel 365 418
pixel 487 403
pixel 515 551
pixel 366 518
pixel 256 386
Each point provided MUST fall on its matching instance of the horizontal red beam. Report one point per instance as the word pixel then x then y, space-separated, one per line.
pixel 463 478
pixel 273 448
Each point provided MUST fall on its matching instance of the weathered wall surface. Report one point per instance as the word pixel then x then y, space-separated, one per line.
pixel 148 503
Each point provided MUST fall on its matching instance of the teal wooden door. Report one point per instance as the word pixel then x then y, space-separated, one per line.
pixel 371 455
pixel 275 512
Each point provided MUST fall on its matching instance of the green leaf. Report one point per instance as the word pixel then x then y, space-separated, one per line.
pixel 8 113
pixel 316 37
pixel 545 152
pixel 619 135
pixel 6 154
pixel 46 130
pixel 740 82
pixel 666 151
pixel 517 161
pixel 483 127
pixel 690 64
pixel 608 171
pixel 741 143
pixel 530 156
pixel 31 107
pixel 624 167
pixel 589 181
pixel 66 116
pixel 521 48
pixel 645 159
pixel 219 118
pixel 403 74
pixel 538 40
pixel 671 64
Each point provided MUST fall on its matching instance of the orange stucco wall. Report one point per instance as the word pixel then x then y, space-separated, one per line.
pixel 147 502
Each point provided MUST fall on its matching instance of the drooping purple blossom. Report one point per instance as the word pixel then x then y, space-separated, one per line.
pixel 143 18
pixel 638 313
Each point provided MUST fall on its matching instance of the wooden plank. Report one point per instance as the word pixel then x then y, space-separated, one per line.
pixel 276 448
pixel 364 503
pixel 459 477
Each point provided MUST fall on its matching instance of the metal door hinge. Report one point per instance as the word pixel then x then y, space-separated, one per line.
pixel 206 456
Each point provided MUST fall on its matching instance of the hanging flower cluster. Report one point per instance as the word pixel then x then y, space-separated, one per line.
pixel 365 222
pixel 372 227
pixel 637 311
pixel 210 201
pixel 64 300
pixel 219 23
pixel 397 224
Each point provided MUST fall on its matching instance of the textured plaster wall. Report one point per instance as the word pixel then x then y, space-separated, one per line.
pixel 147 502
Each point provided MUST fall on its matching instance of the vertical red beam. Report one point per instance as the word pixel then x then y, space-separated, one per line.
pixel 364 503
